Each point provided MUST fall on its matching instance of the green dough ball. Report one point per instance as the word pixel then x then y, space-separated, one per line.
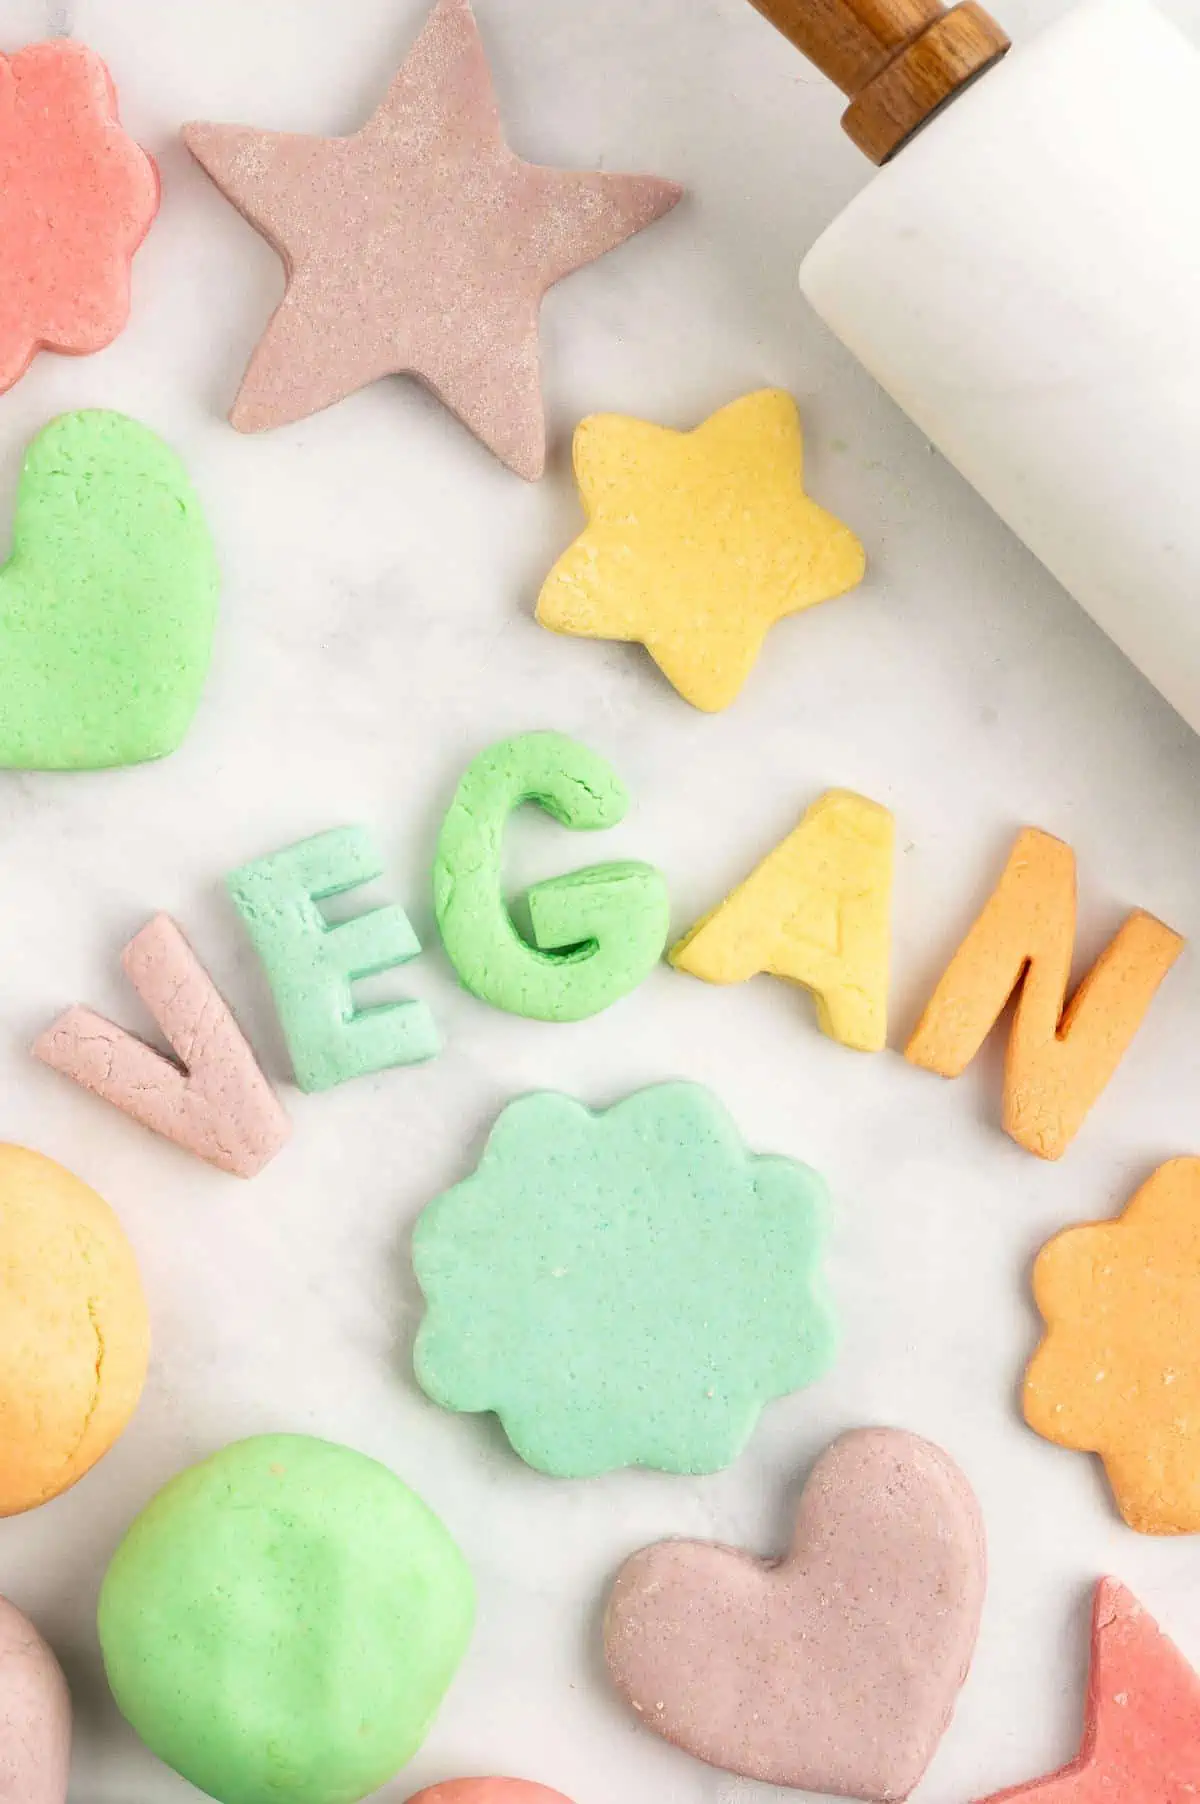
pixel 281 1622
pixel 597 933
pixel 108 602
pixel 623 1288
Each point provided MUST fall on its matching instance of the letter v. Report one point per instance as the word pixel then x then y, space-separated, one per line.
pixel 215 1102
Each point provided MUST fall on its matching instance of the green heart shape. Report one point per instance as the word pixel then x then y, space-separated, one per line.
pixel 108 602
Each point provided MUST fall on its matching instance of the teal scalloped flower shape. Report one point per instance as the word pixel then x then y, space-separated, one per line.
pixel 625 1287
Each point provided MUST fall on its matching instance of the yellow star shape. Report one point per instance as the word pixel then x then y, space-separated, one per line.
pixel 698 542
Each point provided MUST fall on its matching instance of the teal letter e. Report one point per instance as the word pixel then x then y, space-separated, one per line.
pixel 311 964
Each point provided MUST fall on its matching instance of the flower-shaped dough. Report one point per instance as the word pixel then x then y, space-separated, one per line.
pixel 624 1288
pixel 1118 1372
pixel 77 197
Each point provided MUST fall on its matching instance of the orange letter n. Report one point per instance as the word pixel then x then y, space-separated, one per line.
pixel 1060 1055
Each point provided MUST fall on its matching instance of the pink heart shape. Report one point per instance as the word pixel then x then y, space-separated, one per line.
pixel 835 1669
pixel 489 1791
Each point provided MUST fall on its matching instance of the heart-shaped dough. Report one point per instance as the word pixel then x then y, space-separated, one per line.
pixel 108 602
pixel 835 1669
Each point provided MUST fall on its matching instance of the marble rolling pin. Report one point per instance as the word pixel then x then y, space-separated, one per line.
pixel 1023 277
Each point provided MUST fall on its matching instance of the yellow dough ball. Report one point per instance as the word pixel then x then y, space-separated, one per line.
pixel 74 1332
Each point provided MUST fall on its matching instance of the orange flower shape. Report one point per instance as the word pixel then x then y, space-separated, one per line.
pixel 1118 1372
pixel 77 196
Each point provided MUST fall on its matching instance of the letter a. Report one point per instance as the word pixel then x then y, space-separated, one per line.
pixel 817 911
pixel 1059 1057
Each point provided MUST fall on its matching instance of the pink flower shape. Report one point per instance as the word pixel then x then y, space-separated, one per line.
pixel 77 196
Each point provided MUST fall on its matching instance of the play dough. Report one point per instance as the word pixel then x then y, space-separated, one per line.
pixel 1118 1372
pixel 698 542
pixel 489 1791
pixel 74 1333
pixel 817 911
pixel 1141 1739
pixel 77 196
pixel 108 602
pixel 1061 1054
pixel 35 1715
pixel 836 1669
pixel 623 1288
pixel 312 965
pixel 282 1621
pixel 420 245
pixel 596 933
pixel 215 1102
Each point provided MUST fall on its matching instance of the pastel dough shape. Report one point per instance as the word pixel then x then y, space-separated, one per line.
pixel 624 1287
pixel 1061 1055
pixel 108 602
pixel 1118 1370
pixel 282 1622
pixel 817 911
pixel 77 197
pixel 1141 1740
pixel 74 1330
pixel 835 1669
pixel 419 246
pixel 215 1102
pixel 35 1715
pixel 597 933
pixel 489 1791
pixel 312 965
pixel 697 543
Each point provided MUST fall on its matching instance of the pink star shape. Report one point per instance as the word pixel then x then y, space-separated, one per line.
pixel 1141 1739
pixel 421 245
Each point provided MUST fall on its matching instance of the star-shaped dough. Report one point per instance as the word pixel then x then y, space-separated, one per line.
pixel 698 542
pixel 420 246
pixel 1141 1739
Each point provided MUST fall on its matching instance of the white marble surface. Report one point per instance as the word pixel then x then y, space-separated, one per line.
pixel 376 631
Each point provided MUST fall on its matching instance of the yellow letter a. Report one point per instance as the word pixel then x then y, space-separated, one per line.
pixel 817 911
pixel 1059 1058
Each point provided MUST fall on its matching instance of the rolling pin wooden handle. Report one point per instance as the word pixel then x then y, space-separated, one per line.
pixel 898 60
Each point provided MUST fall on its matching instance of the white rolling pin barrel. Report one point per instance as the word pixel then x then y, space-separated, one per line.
pixel 1023 278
